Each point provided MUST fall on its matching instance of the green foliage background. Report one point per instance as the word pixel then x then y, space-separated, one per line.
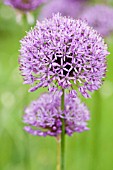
pixel 92 150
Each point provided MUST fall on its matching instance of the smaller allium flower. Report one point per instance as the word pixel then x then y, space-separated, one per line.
pixel 63 53
pixel 100 17
pixel 24 5
pixel 44 115
pixel 65 7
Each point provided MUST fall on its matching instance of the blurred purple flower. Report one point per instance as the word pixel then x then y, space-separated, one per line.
pixel 63 53
pixel 100 17
pixel 44 115
pixel 65 7
pixel 24 5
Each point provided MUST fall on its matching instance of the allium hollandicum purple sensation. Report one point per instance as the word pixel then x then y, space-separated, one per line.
pixel 24 5
pixel 63 53
pixel 43 116
pixel 100 17
pixel 65 7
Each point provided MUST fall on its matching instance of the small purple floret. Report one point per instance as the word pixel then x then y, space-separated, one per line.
pixel 43 116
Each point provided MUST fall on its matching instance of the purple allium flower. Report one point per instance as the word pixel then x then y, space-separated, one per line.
pixel 65 7
pixel 100 17
pixel 44 115
pixel 24 5
pixel 63 53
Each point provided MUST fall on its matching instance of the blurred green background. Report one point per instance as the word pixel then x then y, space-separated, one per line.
pixel 91 150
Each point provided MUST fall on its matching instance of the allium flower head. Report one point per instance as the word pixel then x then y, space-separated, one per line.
pixel 100 17
pixel 44 115
pixel 65 7
pixel 63 53
pixel 24 5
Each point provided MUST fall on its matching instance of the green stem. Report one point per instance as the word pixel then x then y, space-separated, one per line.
pixel 63 133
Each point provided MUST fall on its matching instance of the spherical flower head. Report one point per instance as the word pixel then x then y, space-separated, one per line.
pixel 65 7
pixel 63 53
pixel 100 17
pixel 44 116
pixel 24 5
